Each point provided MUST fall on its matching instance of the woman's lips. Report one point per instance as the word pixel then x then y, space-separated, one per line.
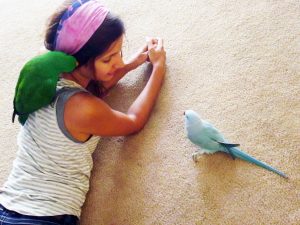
pixel 111 74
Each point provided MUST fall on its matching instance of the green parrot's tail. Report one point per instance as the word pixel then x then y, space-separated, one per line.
pixel 22 117
pixel 242 155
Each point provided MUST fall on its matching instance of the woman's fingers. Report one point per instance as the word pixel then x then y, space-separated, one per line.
pixel 150 43
pixel 155 43
pixel 145 48
pixel 155 40
pixel 160 43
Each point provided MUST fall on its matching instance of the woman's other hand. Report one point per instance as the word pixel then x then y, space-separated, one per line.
pixel 140 57
pixel 156 52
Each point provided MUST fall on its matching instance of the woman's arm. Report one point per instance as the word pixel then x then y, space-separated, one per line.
pixel 119 75
pixel 136 60
pixel 95 117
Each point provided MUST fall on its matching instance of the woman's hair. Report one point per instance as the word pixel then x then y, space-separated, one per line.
pixel 108 32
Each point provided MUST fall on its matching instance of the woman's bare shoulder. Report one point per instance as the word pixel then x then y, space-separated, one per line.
pixel 86 114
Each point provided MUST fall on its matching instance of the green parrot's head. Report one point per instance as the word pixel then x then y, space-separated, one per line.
pixel 58 61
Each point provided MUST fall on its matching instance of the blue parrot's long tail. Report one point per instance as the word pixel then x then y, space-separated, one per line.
pixel 242 155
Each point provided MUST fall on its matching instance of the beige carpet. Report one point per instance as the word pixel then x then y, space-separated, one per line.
pixel 236 63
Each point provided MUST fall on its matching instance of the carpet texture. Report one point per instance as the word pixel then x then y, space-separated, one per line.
pixel 234 62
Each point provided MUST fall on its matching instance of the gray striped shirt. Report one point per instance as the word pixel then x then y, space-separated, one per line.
pixel 51 172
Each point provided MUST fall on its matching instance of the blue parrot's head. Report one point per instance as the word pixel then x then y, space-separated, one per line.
pixel 191 118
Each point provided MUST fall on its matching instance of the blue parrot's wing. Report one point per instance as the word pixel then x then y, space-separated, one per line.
pixel 216 136
pixel 228 147
pixel 213 133
pixel 200 138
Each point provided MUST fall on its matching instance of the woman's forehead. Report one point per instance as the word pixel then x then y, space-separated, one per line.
pixel 115 46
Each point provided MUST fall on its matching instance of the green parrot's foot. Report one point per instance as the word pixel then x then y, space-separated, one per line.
pixel 196 156
pixel 13 116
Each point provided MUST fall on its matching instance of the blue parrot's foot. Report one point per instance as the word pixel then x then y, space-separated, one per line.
pixel 196 155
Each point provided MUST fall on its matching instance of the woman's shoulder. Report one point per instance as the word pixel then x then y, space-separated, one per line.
pixel 79 105
pixel 82 104
pixel 75 104
pixel 69 90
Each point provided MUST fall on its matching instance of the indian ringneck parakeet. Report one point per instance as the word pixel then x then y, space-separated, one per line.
pixel 37 82
pixel 205 135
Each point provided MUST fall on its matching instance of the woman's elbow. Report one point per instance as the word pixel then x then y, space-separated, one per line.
pixel 138 123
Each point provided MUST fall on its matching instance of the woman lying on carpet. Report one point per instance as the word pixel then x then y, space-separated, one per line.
pixel 50 175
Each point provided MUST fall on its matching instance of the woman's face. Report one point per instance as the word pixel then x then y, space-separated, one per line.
pixel 109 62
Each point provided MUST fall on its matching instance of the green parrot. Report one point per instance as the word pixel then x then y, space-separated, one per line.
pixel 37 82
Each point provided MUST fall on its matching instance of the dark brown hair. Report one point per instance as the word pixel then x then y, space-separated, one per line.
pixel 109 31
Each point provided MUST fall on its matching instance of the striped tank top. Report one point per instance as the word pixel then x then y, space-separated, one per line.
pixel 50 175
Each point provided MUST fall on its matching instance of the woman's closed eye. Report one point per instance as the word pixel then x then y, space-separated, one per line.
pixel 106 60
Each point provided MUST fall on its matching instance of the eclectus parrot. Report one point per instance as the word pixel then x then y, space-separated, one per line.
pixel 37 82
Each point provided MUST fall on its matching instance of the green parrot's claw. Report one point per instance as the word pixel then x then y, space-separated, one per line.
pixel 13 116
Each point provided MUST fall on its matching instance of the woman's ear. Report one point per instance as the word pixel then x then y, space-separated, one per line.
pixel 90 66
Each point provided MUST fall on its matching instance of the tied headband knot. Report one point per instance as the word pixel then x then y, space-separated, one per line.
pixel 78 24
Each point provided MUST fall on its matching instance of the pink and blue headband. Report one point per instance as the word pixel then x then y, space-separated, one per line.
pixel 78 24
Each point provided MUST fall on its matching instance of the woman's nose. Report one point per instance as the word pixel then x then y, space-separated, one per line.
pixel 119 63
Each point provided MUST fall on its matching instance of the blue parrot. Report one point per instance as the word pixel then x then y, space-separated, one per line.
pixel 205 135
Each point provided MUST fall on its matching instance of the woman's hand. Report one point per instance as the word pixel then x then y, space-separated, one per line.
pixel 156 52
pixel 141 56
pixel 152 51
pixel 97 118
